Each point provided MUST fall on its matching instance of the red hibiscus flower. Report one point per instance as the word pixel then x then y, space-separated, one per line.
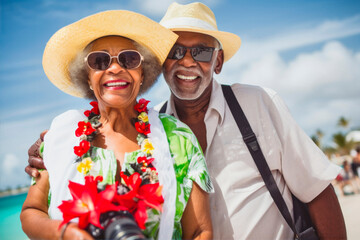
pixel 94 110
pixel 142 128
pixel 87 203
pixel 83 147
pixel 142 105
pixel 140 197
pixel 84 128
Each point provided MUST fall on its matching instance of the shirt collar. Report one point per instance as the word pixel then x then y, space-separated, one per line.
pixel 217 101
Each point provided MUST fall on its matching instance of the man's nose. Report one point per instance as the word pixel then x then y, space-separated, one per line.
pixel 187 60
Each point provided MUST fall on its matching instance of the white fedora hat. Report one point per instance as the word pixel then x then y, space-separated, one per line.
pixel 66 43
pixel 197 17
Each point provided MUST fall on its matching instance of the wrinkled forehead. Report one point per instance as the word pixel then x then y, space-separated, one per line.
pixel 188 38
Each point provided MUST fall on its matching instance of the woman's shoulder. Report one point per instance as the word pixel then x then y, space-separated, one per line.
pixel 68 117
pixel 65 124
pixel 69 114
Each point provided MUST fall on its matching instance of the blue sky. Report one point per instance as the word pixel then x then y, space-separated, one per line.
pixel 308 51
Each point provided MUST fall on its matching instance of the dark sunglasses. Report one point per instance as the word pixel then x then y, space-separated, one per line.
pixel 199 54
pixel 100 60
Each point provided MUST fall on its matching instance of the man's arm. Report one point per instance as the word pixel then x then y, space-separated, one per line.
pixel 35 160
pixel 326 214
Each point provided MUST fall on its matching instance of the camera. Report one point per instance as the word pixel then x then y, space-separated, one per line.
pixel 118 225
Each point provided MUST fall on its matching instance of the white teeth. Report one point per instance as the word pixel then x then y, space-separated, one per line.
pixel 113 84
pixel 189 78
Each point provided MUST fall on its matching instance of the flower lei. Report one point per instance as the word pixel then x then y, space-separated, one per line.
pixel 136 192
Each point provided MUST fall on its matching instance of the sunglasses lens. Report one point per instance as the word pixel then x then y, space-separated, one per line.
pixel 202 54
pixel 129 59
pixel 98 60
pixel 177 52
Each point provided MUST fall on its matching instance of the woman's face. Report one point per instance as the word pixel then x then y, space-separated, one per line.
pixel 115 86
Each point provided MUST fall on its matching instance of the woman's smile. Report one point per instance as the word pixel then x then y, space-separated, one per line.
pixel 116 84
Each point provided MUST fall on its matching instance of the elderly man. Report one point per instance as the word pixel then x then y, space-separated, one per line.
pixel 242 207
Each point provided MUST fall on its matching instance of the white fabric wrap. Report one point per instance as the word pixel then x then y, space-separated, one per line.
pixel 59 158
pixel 164 165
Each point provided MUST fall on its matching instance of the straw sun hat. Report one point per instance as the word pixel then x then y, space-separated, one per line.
pixel 197 17
pixel 66 43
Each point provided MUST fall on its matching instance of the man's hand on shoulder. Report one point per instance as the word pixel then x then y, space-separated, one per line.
pixel 35 160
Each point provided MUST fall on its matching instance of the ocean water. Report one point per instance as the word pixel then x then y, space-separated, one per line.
pixel 10 226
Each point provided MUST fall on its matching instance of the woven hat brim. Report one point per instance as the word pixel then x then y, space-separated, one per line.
pixel 66 43
pixel 230 42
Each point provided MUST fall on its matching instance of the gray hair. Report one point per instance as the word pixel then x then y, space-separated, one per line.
pixel 78 70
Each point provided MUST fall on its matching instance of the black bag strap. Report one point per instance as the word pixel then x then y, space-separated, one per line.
pixel 255 151
pixel 163 108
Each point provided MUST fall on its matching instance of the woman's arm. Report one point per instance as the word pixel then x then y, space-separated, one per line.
pixel 35 220
pixel 196 220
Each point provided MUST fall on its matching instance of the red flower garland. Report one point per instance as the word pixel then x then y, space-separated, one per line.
pixel 84 128
pixel 94 110
pixel 142 128
pixel 88 204
pixel 82 148
pixel 142 105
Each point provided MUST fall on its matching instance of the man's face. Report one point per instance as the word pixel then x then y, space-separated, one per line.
pixel 186 77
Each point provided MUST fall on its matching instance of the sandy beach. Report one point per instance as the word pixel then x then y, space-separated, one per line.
pixel 350 206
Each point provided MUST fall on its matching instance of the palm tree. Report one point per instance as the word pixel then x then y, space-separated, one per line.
pixel 319 135
pixel 316 140
pixel 343 122
pixel 343 146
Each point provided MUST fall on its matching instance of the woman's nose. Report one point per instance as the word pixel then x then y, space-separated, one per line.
pixel 115 67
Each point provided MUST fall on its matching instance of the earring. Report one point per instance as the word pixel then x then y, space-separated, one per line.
pixel 141 83
pixel 91 87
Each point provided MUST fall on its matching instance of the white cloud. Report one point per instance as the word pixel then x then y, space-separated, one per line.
pixel 12 172
pixel 328 30
pixel 153 7
pixel 319 86
pixel 10 163
pixel 327 69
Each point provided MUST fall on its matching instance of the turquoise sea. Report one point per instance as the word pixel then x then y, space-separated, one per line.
pixel 10 226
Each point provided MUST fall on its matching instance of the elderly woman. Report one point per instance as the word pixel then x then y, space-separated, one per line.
pixel 112 57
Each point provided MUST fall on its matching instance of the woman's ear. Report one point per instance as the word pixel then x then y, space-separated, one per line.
pixel 89 82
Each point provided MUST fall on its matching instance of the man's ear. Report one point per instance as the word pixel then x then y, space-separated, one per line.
pixel 219 61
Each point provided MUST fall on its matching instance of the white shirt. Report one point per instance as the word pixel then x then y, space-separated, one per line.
pixel 242 207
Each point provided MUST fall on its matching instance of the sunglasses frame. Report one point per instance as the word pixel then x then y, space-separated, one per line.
pixel 198 47
pixel 117 59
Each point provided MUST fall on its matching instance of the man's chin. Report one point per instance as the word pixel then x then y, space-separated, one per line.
pixel 187 96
